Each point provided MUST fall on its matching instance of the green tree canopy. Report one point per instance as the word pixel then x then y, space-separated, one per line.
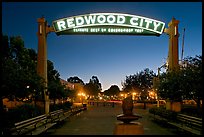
pixel 19 75
pixel 140 82
pixel 169 87
pixel 184 84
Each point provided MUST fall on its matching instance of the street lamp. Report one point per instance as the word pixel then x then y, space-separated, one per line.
pixel 82 96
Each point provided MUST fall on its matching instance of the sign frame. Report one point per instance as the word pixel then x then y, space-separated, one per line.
pixel 108 24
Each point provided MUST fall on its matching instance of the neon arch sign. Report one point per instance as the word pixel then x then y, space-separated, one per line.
pixel 108 23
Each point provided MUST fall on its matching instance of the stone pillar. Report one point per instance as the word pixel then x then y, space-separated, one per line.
pixel 172 31
pixel 43 30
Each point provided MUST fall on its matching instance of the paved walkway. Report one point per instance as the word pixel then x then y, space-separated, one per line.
pixel 101 120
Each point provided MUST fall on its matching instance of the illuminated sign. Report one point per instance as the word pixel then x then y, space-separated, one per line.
pixel 108 23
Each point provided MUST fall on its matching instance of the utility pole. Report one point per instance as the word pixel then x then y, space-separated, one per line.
pixel 43 30
pixel 156 82
pixel 182 51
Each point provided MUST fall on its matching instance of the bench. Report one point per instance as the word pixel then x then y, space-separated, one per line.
pixel 69 113
pixel 33 126
pixel 63 115
pixel 40 124
pixel 56 116
pixel 188 123
pixel 76 110
pixel 158 119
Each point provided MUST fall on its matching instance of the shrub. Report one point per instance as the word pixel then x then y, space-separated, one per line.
pixel 162 112
pixel 23 112
pixel 192 111
pixel 64 106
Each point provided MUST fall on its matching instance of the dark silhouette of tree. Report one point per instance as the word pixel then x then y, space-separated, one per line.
pixel 75 79
pixel 93 87
pixel 19 78
pixel 184 84
pixel 55 88
pixel 113 90
pixel 19 75
pixel 170 86
pixel 141 82
pixel 192 79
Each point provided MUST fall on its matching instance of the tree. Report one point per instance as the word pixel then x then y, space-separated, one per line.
pixel 113 90
pixel 141 82
pixel 192 79
pixel 185 83
pixel 55 88
pixel 18 70
pixel 19 77
pixel 75 79
pixel 71 93
pixel 93 87
pixel 78 86
pixel 95 80
pixel 170 86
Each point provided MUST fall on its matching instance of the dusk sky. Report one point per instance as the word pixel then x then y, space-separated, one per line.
pixel 109 57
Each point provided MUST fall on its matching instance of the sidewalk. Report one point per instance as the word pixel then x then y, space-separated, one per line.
pixel 101 120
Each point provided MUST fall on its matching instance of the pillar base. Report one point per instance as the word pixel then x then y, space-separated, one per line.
pixel 133 128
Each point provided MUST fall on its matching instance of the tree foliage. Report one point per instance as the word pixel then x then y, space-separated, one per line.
pixel 192 78
pixel 93 87
pixel 113 90
pixel 170 87
pixel 140 82
pixel 55 88
pixel 19 75
pixel 75 79
pixel 184 84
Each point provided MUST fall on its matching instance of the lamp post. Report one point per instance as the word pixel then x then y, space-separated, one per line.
pixel 81 97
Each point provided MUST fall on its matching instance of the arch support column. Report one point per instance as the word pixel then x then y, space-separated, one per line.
pixel 43 30
pixel 172 31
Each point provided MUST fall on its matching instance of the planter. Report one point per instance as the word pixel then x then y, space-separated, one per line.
pixel 173 105
pixel 176 106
